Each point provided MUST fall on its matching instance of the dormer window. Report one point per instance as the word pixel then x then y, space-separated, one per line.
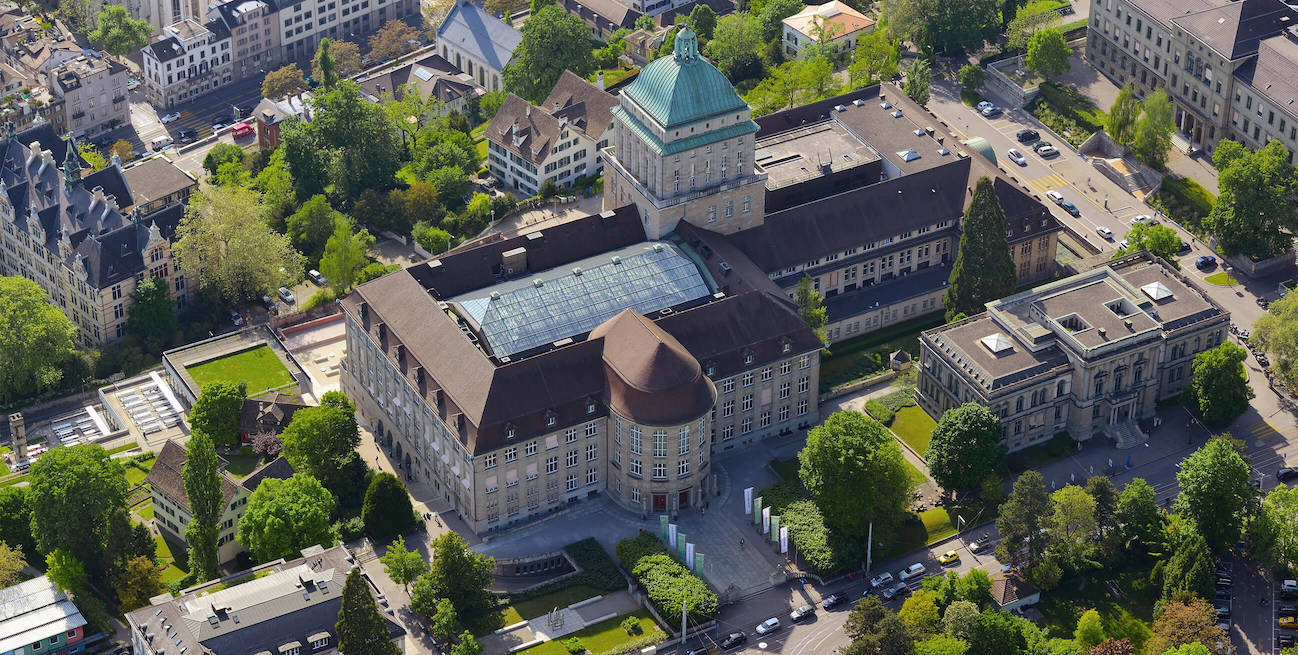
pixel 551 420
pixel 510 432
pixel 590 407
pixel 749 358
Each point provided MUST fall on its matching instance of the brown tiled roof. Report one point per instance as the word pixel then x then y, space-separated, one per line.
pixel 605 15
pixel 583 104
pixel 166 475
pixel 523 129
pixel 1011 587
pixel 722 333
pixel 270 414
pixel 1274 72
pixel 652 378
pixel 278 468
pixel 446 82
pixel 156 178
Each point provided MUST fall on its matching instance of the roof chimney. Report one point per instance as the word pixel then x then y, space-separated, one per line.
pixel 599 80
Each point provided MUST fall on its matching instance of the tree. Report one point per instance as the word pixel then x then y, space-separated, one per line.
pixel 1197 648
pixel 1048 53
pixel 66 572
pixel 285 516
pixel 222 153
pixel 1253 216
pixel 1160 240
pixel 322 65
pixel 1090 630
pixel 123 149
pixel 303 157
pixel 959 619
pixel 16 521
pixel 461 575
pixel 92 157
pixel 359 145
pixel 1277 333
pixel 984 268
pixel 394 39
pixel 1071 524
pixel 1020 520
pixel 734 46
pixel 919 78
pixel 267 445
pixel 1153 137
pixel 1025 24
pixel 996 633
pixel 811 308
pixel 433 239
pixel 1187 621
pixel 1215 491
pixel 703 21
pixel 951 26
pixel 225 240
pixel 1113 647
pixel 420 202
pixel 138 581
pixel 79 14
pixel 877 58
pixel 346 58
pixel 773 14
pixel 11 566
pixel 445 622
pixel 387 509
pixel 1189 568
pixel 216 412
pixel 310 227
pixel 202 477
pixel 319 440
pixel 283 82
pixel 35 339
pixel 1218 392
pixel 1124 113
pixel 1138 515
pixel 152 315
pixel 794 83
pixel 941 645
pixel 849 452
pixel 74 493
pixel 119 34
pixel 971 78
pixel 889 636
pixel 966 447
pixel 403 565
pixel 920 613
pixel 466 645
pixel 362 630
pixel 1278 521
pixel 1101 490
pixel 345 254
pixel 553 40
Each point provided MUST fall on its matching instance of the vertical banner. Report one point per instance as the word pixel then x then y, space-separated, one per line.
pixel 662 527
pixel 775 528
pixel 748 500
pixel 698 563
pixel 671 536
pixel 784 539
pixel 680 545
pixel 757 510
pixel 766 520
pixel 689 556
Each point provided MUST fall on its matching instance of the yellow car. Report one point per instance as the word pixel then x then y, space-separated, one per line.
pixel 1287 621
pixel 949 557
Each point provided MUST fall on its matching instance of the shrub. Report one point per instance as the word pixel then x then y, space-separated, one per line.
pixel 668 585
pixel 349 529
pixel 321 297
pixel 387 509
pixel 819 547
pixel 879 411
pixel 574 646
pixel 631 625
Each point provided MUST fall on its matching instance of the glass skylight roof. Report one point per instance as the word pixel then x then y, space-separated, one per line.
pixel 551 305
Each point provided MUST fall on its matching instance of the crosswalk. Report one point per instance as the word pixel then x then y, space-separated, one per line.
pixel 1052 181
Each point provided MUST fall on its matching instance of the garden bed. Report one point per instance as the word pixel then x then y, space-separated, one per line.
pixel 541 605
pixel 607 637
pixel 1068 113
pixel 860 357
pixel 1184 201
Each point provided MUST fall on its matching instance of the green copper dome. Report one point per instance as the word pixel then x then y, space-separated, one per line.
pixel 685 87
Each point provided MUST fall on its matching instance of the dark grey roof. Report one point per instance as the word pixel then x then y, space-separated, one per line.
pixel 605 15
pixel 720 334
pixel 1234 30
pixel 433 76
pixel 888 292
pixel 1164 11
pixel 165 50
pixel 487 38
pixel 1274 72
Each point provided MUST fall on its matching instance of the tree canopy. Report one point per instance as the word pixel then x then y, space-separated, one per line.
pixel 119 34
pixel 74 493
pixel 345 254
pixel 1276 333
pixel 984 269
pixel 362 630
pixel 283 82
pixel 1139 518
pixel 849 452
pixel 216 412
pixel 1254 214
pixel 1020 520
pixel 394 39
pixel 1218 391
pixel 553 40
pixel 1123 114
pixel 1215 491
pixel 734 46
pixel 387 510
pixel 225 239
pixel 965 448
pixel 1153 135
pixel 401 564
pixel 285 516
pixel 1160 240
pixel 1048 53
pixel 457 573
pixel 811 307
pixel 877 58
pixel 311 225
pixel 919 79
pixel 1188 621
pixel 319 440
pixel 35 339
pixel 202 477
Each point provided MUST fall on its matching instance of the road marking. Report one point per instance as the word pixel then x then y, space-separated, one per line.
pixel 1052 181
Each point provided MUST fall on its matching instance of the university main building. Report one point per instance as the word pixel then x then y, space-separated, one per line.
pixel 617 353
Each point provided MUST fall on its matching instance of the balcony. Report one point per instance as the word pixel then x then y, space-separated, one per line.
pixel 78 114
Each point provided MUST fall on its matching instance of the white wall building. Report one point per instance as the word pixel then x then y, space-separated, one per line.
pixel 191 60
pixel 833 22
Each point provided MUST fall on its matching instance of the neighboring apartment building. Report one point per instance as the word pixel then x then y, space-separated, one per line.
pixel 161 13
pixel 303 23
pixel 833 22
pixel 69 234
pixel 268 115
pixel 1227 65
pixel 477 43
pixel 191 60
pixel 36 618
pixel 560 140
pixel 94 94
pixel 254 36
pixel 280 608
pixel 431 76
pixel 603 16
pixel 1088 355
pixel 171 511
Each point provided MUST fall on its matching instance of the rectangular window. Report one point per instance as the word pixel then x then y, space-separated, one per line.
pixel 748 379
pixel 635 440
pixel 728 386
pixel 786 389
pixel 683 441
pixel 636 468
pixel 529 449
pixel 551 464
pixel 746 425
pixel 570 435
pixel 748 402
pixel 660 443
pixel 511 454
pixel 683 468
pixel 570 460
pixel 571 483
pixel 592 477
pixel 489 462
pixel 804 383
pixel 592 452
pixel 802 407
pixel 660 471
pixel 592 429
pixel 766 374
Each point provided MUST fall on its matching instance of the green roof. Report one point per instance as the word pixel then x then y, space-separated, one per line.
pixel 688 143
pixel 683 88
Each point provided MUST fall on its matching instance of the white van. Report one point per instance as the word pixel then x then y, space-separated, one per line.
pixel 159 143
pixel 913 571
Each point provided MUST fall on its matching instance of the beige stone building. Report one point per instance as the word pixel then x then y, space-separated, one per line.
pixel 1089 355
pixel 190 60
pixel 94 94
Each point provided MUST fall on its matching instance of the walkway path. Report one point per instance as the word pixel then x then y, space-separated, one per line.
pixel 564 622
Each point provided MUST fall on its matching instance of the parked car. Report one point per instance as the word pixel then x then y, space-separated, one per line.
pixel 983 105
pixel 913 571
pixel 733 640
pixel 1286 473
pixel 1222 612
pixel 186 135
pixel 949 557
pixel 804 612
pixel 1124 244
pixel 158 143
pixel 883 579
pixel 132 84
pixel 1055 197
pixel 1287 622
pixel 1027 136
pixel 894 591
pixel 286 295
pixel 268 302
pixel 1141 219
pixel 167 118
pixel 217 127
pixel 317 277
pixel 1017 157
pixel 1289 589
pixel 241 130
pixel 1205 261
pixel 833 600
pixel 236 318
pixel 992 112
pixel 768 626
pixel 1047 150
pixel 1183 248
pixel 1105 232
pixel 1287 610
pixel 1070 208
pixel 1284 639
pixel 983 543
pixel 1222 594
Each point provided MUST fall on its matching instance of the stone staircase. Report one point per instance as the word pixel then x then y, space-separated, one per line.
pixel 1126 434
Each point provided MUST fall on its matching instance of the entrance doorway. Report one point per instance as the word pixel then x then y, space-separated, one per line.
pixel 660 502
pixel 684 499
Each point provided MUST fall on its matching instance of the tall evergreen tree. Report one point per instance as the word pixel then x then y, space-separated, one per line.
pixel 203 489
pixel 328 71
pixel 361 628
pixel 984 268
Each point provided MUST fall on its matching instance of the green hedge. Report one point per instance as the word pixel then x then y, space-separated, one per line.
pixel 598 570
pixel 669 585
pixel 782 494
pixel 879 411
pixel 820 548
pixel 1184 201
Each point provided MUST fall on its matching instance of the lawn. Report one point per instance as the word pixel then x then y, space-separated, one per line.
pixel 914 426
pixel 1221 279
pixel 1127 618
pixel 163 553
pixel 259 367
pixel 529 609
pixel 916 477
pixel 481 147
pixel 145 510
pixel 122 449
pixel 863 356
pixel 242 464
pixel 1032 457
pixel 135 476
pixel 606 636
pixel 937 524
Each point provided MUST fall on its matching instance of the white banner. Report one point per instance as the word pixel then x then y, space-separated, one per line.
pixel 689 555
pixel 748 501
pixel 766 520
pixel 671 535
pixel 784 539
